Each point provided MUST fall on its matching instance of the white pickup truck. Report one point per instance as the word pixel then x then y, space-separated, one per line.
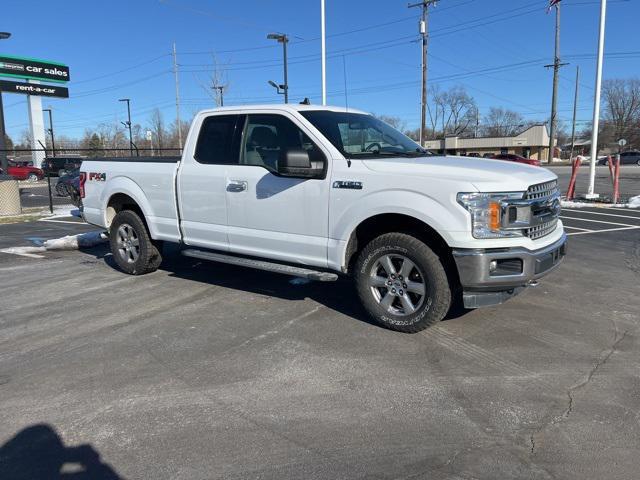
pixel 320 192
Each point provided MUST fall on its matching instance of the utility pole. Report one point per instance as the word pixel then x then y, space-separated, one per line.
pixel 128 123
pixel 554 98
pixel 575 112
pixel 175 74
pixel 424 33
pixel 50 130
pixel 220 88
pixel 596 103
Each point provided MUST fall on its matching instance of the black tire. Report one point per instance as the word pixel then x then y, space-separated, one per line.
pixel 146 257
pixel 429 271
pixel 62 172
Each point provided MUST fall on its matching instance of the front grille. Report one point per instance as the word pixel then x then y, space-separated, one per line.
pixel 537 193
pixel 541 190
pixel 541 230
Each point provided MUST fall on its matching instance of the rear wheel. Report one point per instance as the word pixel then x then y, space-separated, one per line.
pixel 32 177
pixel 638 163
pixel 62 172
pixel 402 283
pixel 131 246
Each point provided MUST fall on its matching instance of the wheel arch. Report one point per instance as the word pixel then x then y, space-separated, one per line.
pixel 382 223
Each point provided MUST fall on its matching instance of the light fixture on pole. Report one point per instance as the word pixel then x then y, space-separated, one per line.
pixel 280 89
pixel 128 123
pixel 283 39
pixel 596 104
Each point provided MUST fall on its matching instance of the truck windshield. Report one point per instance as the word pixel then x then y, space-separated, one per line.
pixel 357 135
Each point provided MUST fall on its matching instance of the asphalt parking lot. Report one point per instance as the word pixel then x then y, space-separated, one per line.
pixel 202 370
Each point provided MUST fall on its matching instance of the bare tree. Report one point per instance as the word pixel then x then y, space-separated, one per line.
pixel 156 125
pixel 621 117
pixel 216 83
pixel 500 122
pixel 451 112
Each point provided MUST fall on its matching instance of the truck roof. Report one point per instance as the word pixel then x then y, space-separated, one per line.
pixel 289 107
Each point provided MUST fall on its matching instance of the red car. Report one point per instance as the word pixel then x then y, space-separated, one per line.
pixel 24 172
pixel 517 158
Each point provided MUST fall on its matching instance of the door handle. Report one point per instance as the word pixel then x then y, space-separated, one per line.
pixel 237 186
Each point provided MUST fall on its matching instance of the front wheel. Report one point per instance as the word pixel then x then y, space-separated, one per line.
pixel 638 163
pixel 402 283
pixel 131 246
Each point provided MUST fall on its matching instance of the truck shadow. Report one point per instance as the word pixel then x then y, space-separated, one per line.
pixel 38 453
pixel 340 296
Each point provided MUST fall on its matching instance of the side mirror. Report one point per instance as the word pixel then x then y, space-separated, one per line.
pixel 296 163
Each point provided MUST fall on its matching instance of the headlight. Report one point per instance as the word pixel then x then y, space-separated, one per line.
pixel 486 211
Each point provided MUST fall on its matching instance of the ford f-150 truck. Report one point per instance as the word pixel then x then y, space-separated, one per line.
pixel 320 192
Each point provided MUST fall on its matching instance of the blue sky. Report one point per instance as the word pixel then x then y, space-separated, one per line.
pixel 496 49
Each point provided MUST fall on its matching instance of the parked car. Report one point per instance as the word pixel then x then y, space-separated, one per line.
pixel 516 158
pixel 59 166
pixel 632 157
pixel 473 154
pixel 320 192
pixel 487 155
pixel 69 186
pixel 21 171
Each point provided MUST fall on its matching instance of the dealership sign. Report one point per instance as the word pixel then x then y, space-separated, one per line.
pixel 34 89
pixel 34 69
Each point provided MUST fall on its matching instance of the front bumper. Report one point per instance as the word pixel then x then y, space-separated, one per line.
pixel 491 276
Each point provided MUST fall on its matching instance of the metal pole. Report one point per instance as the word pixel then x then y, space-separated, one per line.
pixel 53 142
pixel 554 98
pixel 596 103
pixel 221 97
pixel 4 163
pixel 175 73
pixel 129 125
pixel 285 40
pixel 575 111
pixel 324 54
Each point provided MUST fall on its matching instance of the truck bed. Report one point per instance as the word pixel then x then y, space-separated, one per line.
pixel 150 181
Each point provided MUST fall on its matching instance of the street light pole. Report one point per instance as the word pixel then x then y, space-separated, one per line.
pixel 53 142
pixel 128 123
pixel 283 39
pixel 3 154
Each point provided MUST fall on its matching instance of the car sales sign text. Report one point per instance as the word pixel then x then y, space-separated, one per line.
pixel 34 89
pixel 33 68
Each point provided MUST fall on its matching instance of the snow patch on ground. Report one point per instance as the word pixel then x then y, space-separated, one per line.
pixel 74 242
pixel 70 242
pixel 634 202
pixel 63 211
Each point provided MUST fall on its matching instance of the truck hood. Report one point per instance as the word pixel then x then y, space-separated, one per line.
pixel 486 175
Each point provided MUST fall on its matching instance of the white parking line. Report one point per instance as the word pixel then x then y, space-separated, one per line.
pixel 603 231
pixel 62 221
pixel 599 213
pixel 598 221
pixel 581 229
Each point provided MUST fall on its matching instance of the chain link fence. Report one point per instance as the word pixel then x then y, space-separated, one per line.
pixel 43 179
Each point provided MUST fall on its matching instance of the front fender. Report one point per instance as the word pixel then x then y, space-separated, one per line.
pixel 444 216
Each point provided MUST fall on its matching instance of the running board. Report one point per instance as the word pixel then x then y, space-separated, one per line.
pixel 262 265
